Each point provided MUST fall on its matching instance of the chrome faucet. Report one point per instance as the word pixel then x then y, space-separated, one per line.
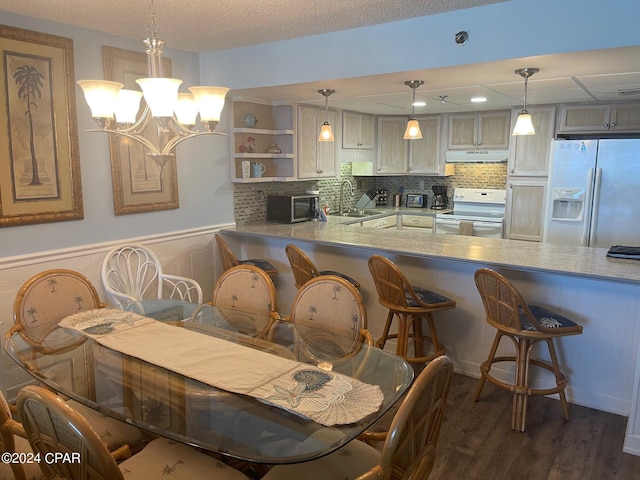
pixel 346 182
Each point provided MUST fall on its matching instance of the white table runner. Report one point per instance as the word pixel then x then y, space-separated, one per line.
pixel 328 398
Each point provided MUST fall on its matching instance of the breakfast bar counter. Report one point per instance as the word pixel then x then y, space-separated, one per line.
pixel 602 294
pixel 560 259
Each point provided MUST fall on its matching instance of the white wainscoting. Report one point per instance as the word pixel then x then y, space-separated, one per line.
pixel 190 253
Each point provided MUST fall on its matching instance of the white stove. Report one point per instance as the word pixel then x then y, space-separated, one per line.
pixel 476 211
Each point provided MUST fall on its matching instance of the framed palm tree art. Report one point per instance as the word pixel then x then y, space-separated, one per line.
pixel 39 155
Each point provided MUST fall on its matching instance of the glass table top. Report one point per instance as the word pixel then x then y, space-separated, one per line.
pixel 170 404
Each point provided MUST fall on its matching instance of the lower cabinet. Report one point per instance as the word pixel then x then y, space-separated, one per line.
pixel 417 222
pixel 525 209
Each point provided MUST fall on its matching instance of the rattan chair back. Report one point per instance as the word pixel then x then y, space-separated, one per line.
pixel 302 267
pixel 44 300
pixel 391 284
pixel 330 319
pixel 226 255
pixel 409 450
pixel 246 298
pixel 53 427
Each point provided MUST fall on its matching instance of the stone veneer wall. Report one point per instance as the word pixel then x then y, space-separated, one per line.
pixel 250 199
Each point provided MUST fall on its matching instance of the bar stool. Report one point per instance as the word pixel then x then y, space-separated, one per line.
pixel 525 325
pixel 304 269
pixel 230 260
pixel 410 304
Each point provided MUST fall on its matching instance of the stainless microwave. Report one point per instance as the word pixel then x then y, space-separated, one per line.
pixel 292 208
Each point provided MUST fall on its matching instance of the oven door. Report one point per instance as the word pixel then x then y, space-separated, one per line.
pixel 455 226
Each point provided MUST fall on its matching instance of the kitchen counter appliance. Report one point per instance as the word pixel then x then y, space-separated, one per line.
pixel 417 200
pixel 440 200
pixel 292 208
pixel 476 211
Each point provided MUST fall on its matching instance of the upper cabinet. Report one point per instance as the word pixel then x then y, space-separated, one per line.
pixel 590 118
pixel 529 154
pixel 357 130
pixel 487 130
pixel 397 156
pixel 262 132
pixel 393 150
pixel 316 159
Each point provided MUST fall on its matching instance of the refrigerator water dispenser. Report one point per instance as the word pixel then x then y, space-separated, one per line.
pixel 568 204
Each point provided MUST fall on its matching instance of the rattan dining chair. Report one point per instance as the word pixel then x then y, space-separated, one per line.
pixel 304 269
pixel 246 298
pixel 54 427
pixel 409 451
pixel 13 440
pixel 330 320
pixel 230 260
pixel 525 325
pixel 133 272
pixel 410 304
pixel 44 300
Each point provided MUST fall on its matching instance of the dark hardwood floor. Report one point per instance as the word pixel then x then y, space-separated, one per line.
pixel 477 443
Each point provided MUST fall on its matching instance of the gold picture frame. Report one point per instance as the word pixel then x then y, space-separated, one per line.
pixel 39 153
pixel 137 183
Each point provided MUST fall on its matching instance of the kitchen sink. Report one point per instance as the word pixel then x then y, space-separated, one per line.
pixel 361 213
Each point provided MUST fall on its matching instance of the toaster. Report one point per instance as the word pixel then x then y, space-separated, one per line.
pixel 417 200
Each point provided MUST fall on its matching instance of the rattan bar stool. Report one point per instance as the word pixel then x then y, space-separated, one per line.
pixel 410 304
pixel 230 260
pixel 525 325
pixel 304 269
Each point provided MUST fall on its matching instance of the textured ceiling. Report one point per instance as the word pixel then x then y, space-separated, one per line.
pixel 206 25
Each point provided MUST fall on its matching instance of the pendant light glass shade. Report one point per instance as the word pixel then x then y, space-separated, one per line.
pixel 127 106
pixel 413 130
pixel 413 127
pixel 326 132
pixel 524 125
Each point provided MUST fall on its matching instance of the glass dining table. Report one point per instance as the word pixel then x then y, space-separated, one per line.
pixel 140 385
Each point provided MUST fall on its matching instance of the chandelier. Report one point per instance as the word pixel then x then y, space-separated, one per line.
pixel 115 109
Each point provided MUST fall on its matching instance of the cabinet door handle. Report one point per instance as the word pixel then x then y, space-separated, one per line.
pixel 606 125
pixel 511 185
pixel 613 124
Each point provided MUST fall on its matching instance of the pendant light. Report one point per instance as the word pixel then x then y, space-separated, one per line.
pixel 326 134
pixel 413 127
pixel 524 125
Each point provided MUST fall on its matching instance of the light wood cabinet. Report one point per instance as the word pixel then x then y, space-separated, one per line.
pixel 397 156
pixel 417 222
pixel 487 130
pixel 274 126
pixel 357 130
pixel 529 154
pixel 590 118
pixel 316 159
pixel 528 171
pixel 525 208
pixel 393 150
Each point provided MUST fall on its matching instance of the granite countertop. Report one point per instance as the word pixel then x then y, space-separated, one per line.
pixel 561 259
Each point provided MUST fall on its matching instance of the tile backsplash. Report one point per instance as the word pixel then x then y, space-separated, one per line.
pixel 250 199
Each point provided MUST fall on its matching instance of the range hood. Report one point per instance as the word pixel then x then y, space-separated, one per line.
pixel 477 156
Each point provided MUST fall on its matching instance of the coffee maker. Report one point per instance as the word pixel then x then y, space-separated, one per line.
pixel 439 197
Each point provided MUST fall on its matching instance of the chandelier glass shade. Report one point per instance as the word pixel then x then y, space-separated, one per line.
pixel 115 109
pixel 413 127
pixel 524 125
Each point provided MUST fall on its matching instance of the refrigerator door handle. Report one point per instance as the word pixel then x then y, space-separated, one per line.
pixel 587 200
pixel 594 208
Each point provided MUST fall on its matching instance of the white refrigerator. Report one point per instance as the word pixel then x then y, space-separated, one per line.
pixel 593 196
